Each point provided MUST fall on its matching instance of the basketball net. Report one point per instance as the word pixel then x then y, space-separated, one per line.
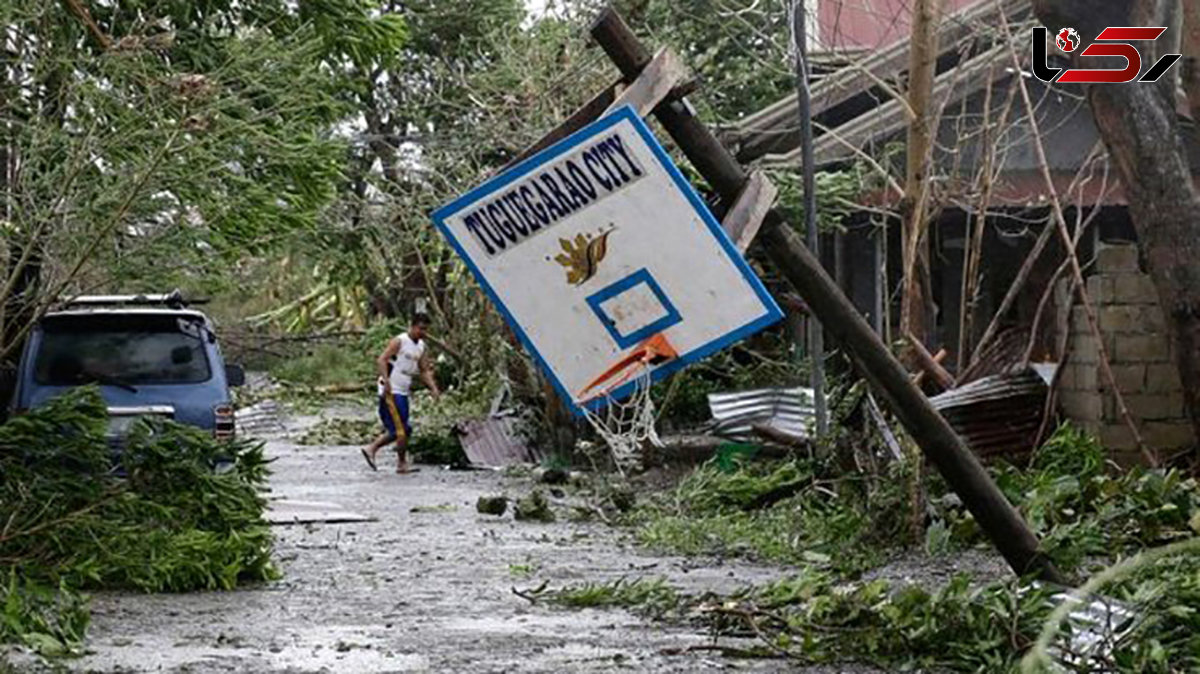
pixel 628 425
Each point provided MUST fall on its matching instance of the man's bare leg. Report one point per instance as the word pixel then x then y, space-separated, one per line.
pixel 377 444
pixel 402 455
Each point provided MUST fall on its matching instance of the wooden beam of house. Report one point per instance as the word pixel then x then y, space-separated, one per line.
pixel 772 130
pixel 948 88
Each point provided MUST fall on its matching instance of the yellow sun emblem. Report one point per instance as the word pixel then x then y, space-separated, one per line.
pixel 581 257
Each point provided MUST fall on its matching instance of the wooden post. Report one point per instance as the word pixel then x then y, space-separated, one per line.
pixel 961 469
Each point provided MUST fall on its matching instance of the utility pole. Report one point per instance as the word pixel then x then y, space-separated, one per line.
pixel 816 335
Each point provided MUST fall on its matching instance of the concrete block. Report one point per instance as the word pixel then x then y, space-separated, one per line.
pixel 1152 318
pixel 1083 407
pixel 1168 435
pixel 1117 258
pixel 1162 378
pixel 1117 438
pixel 1121 318
pixel 1155 406
pixel 1066 378
pixel 1148 348
pixel 1079 377
pixel 1100 288
pixel 1079 320
pixel 1127 459
pixel 1134 289
pixel 1087 377
pixel 1085 350
pixel 1130 378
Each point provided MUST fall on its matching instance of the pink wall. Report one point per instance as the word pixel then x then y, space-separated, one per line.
pixel 859 24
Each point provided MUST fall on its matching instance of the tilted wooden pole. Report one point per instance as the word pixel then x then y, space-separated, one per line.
pixel 965 475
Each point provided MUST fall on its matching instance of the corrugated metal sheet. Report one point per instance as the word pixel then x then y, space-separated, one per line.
pixel 787 409
pixel 261 419
pixel 998 415
pixel 494 441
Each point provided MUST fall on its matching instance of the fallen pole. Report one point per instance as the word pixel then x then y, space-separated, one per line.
pixel 997 517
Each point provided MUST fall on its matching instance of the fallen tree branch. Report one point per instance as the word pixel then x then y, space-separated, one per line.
pixel 531 596
pixel 78 9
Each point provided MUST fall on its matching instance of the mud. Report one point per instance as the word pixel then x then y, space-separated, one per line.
pixel 426 587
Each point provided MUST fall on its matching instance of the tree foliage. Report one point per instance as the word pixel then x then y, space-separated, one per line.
pixel 150 142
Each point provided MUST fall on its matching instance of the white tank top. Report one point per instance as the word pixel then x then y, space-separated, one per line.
pixel 407 365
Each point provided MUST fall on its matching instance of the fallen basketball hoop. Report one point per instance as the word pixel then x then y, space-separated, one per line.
pixel 609 267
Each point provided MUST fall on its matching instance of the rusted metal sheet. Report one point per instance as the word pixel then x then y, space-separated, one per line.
pixel 734 414
pixel 998 415
pixel 494 442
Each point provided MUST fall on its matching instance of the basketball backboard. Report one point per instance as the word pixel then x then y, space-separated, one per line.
pixel 598 245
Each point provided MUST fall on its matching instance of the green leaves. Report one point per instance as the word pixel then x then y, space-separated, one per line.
pixel 172 523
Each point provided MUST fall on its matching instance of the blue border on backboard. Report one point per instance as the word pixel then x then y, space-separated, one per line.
pixel 637 278
pixel 771 314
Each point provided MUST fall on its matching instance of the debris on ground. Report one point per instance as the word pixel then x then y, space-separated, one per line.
pixel 339 431
pixel 494 441
pixel 492 505
pixel 534 507
pixel 788 411
pixel 555 476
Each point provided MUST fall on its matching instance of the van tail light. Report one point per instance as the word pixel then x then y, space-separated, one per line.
pixel 223 416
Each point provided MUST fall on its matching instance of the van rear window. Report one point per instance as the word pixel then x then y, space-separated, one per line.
pixel 126 349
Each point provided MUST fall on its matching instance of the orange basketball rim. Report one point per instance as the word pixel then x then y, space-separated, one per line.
pixel 653 351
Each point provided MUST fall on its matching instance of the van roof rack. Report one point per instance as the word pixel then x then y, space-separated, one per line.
pixel 173 300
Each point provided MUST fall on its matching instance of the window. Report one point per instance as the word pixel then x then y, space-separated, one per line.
pixel 122 350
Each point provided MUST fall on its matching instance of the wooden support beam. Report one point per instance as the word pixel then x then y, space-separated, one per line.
pixel 961 469
pixel 663 76
pixel 930 364
pixel 781 437
pixel 743 221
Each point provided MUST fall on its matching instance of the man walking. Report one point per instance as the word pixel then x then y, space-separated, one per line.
pixel 402 360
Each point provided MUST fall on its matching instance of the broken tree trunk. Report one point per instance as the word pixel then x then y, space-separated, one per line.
pixel 961 469
pixel 915 314
pixel 1190 46
pixel 1139 125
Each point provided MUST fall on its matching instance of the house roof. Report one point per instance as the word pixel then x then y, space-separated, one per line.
pixel 854 105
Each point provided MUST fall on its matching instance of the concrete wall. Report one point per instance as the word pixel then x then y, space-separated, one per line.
pixel 1133 329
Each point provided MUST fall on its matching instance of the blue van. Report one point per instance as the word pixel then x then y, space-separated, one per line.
pixel 150 355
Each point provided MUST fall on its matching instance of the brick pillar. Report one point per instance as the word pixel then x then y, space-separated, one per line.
pixel 1133 328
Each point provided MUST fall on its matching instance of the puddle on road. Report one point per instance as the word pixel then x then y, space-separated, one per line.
pixel 332 649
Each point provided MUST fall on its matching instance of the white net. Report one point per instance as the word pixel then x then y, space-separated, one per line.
pixel 627 425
